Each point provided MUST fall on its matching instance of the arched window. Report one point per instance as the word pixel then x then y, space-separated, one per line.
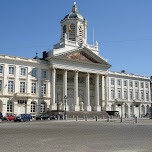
pixel 72 32
pixel 81 33
pixel 9 106
pixel 64 30
pixel 33 106
pixel 43 107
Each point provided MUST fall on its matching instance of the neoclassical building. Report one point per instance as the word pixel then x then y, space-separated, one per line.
pixel 73 72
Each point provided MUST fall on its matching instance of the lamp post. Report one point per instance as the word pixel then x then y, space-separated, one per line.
pixel 65 100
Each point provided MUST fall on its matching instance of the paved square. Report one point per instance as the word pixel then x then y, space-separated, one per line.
pixel 72 136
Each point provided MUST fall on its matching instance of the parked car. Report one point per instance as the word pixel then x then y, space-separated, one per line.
pixel 9 117
pixel 23 117
pixel 60 116
pixel 43 117
pixel 52 117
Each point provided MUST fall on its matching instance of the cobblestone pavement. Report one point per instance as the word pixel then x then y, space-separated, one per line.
pixel 72 136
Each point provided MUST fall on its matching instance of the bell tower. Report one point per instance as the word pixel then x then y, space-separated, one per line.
pixel 74 27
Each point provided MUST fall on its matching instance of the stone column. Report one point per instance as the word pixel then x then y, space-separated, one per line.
pixel 106 93
pixel 97 107
pixel 128 110
pixel 53 105
pixel 76 106
pixel 140 112
pixel 87 106
pixel 65 90
pixel 103 93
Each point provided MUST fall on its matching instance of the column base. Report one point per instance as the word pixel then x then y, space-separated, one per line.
pixel 97 108
pixel 76 108
pixel 87 108
pixel 53 107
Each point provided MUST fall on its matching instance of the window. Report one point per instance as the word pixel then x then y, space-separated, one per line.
pixel 80 33
pixel 22 87
pixel 130 83
pixel 125 94
pixel 0 85
pixel 142 95
pixel 118 82
pixel 136 95
pixel 142 85
pixel 1 69
pixel 147 96
pixel 125 83
pixel 119 94
pixel 10 86
pixel 112 81
pixel 33 88
pixel 9 106
pixel 33 107
pixel 33 73
pixel 43 89
pixel 43 74
pixel 146 85
pixel 23 71
pixel 43 106
pixel 22 102
pixel 11 70
pixel 131 97
pixel 136 84
pixel 112 94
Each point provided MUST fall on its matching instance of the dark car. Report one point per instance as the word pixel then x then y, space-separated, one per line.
pixel 60 116
pixel 43 117
pixel 23 117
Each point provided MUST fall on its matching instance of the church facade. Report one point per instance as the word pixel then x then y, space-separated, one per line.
pixel 72 75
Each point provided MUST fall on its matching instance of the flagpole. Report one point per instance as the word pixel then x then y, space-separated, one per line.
pixel 93 35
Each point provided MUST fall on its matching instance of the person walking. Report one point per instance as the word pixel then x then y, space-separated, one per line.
pixel 1 116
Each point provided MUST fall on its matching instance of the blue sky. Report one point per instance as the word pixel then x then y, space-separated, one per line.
pixel 123 29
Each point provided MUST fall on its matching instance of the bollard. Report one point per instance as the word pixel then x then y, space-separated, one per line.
pixel 121 119
pixel 41 119
pixel 63 117
pixel 86 118
pixel 48 118
pixel 0 120
pixel 76 118
pixel 136 119
pixel 96 118
pixel 103 117
pixel 108 119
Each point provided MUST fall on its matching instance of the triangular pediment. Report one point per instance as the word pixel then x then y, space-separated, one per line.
pixel 81 56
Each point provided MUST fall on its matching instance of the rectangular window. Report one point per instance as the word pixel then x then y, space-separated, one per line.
pixel 125 94
pixel 23 71
pixel 112 81
pixel 9 106
pixel 136 84
pixel 130 83
pixel 112 94
pixel 142 95
pixel 10 86
pixel 146 85
pixel 142 85
pixel 43 89
pixel 33 73
pixel 43 74
pixel 22 87
pixel 119 94
pixel 11 70
pixel 125 83
pixel 33 88
pixel 118 82
pixel 1 69
pixel 131 97
pixel 136 95
pixel 147 96
pixel 0 85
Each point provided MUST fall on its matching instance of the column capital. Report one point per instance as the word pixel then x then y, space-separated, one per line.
pixel 76 71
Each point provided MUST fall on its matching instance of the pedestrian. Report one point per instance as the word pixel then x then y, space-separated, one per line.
pixel 1 116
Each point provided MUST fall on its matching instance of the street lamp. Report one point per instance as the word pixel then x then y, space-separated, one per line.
pixel 65 100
